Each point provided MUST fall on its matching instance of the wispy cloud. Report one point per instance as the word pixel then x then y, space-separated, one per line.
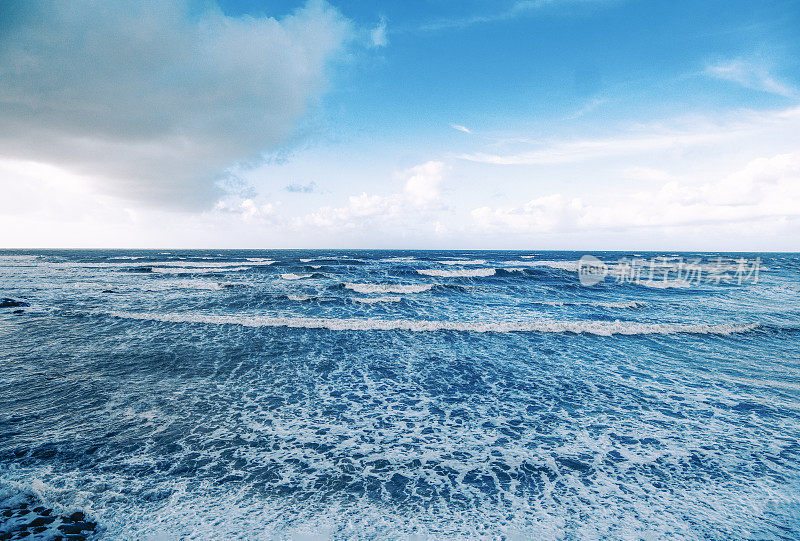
pixel 459 127
pixel 750 75
pixel 516 9
pixel 657 138
pixel 378 34
pixel 311 187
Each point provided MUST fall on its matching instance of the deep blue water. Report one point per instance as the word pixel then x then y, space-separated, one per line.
pixel 369 394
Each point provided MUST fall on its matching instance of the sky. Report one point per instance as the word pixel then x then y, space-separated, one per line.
pixel 437 124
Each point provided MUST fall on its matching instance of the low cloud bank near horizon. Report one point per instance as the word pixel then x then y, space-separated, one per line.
pixel 155 101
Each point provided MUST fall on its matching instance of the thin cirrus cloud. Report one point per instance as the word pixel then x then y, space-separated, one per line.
pixel 157 111
pixel 750 75
pixel 510 11
pixel 686 134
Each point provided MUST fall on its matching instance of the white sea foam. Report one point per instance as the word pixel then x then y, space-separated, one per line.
pixel 463 262
pixel 196 270
pixel 175 264
pixel 261 260
pixel 315 266
pixel 464 273
pixel 602 328
pixel 620 304
pixel 571 266
pixel 388 288
pixel 665 284
pixel 293 276
pixel 373 300
pixel 306 260
pixel 300 298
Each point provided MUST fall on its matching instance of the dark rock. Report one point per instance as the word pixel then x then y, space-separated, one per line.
pixel 71 529
pixel 12 303
pixel 40 521
pixel 77 516
pixel 18 312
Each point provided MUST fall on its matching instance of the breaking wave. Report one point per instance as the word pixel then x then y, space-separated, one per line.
pixel 463 273
pixel 601 328
pixel 388 288
pixel 463 262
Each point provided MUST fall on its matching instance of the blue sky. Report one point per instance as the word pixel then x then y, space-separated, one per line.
pixel 581 124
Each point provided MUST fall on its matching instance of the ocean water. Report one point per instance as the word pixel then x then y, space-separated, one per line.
pixel 219 394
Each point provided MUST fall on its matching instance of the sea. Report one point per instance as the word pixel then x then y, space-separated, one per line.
pixel 367 394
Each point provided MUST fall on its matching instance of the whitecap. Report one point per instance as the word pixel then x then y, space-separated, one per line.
pixel 293 276
pixel 665 284
pixel 388 288
pixel 601 328
pixel 463 262
pixel 470 273
pixel 300 298
pixel 373 300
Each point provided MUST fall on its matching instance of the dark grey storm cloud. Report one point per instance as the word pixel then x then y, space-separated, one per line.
pixel 155 100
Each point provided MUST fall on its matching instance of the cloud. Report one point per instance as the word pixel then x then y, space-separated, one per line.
pixel 249 210
pixel 154 101
pixel 764 188
pixel 646 140
pixel 461 128
pixel 516 9
pixel 422 186
pixel 421 191
pixel 311 187
pixel 378 34
pixel 750 75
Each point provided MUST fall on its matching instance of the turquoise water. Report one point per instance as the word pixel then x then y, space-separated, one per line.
pixel 374 394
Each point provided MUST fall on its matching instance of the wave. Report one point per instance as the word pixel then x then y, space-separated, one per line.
pixel 195 270
pixel 464 273
pixel 306 259
pixel 261 260
pixel 664 284
pixel 600 328
pixel 301 298
pixel 373 300
pixel 571 266
pixel 463 262
pixel 293 276
pixel 610 304
pixel 388 288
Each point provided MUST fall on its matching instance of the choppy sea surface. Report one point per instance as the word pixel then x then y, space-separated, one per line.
pixel 260 394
